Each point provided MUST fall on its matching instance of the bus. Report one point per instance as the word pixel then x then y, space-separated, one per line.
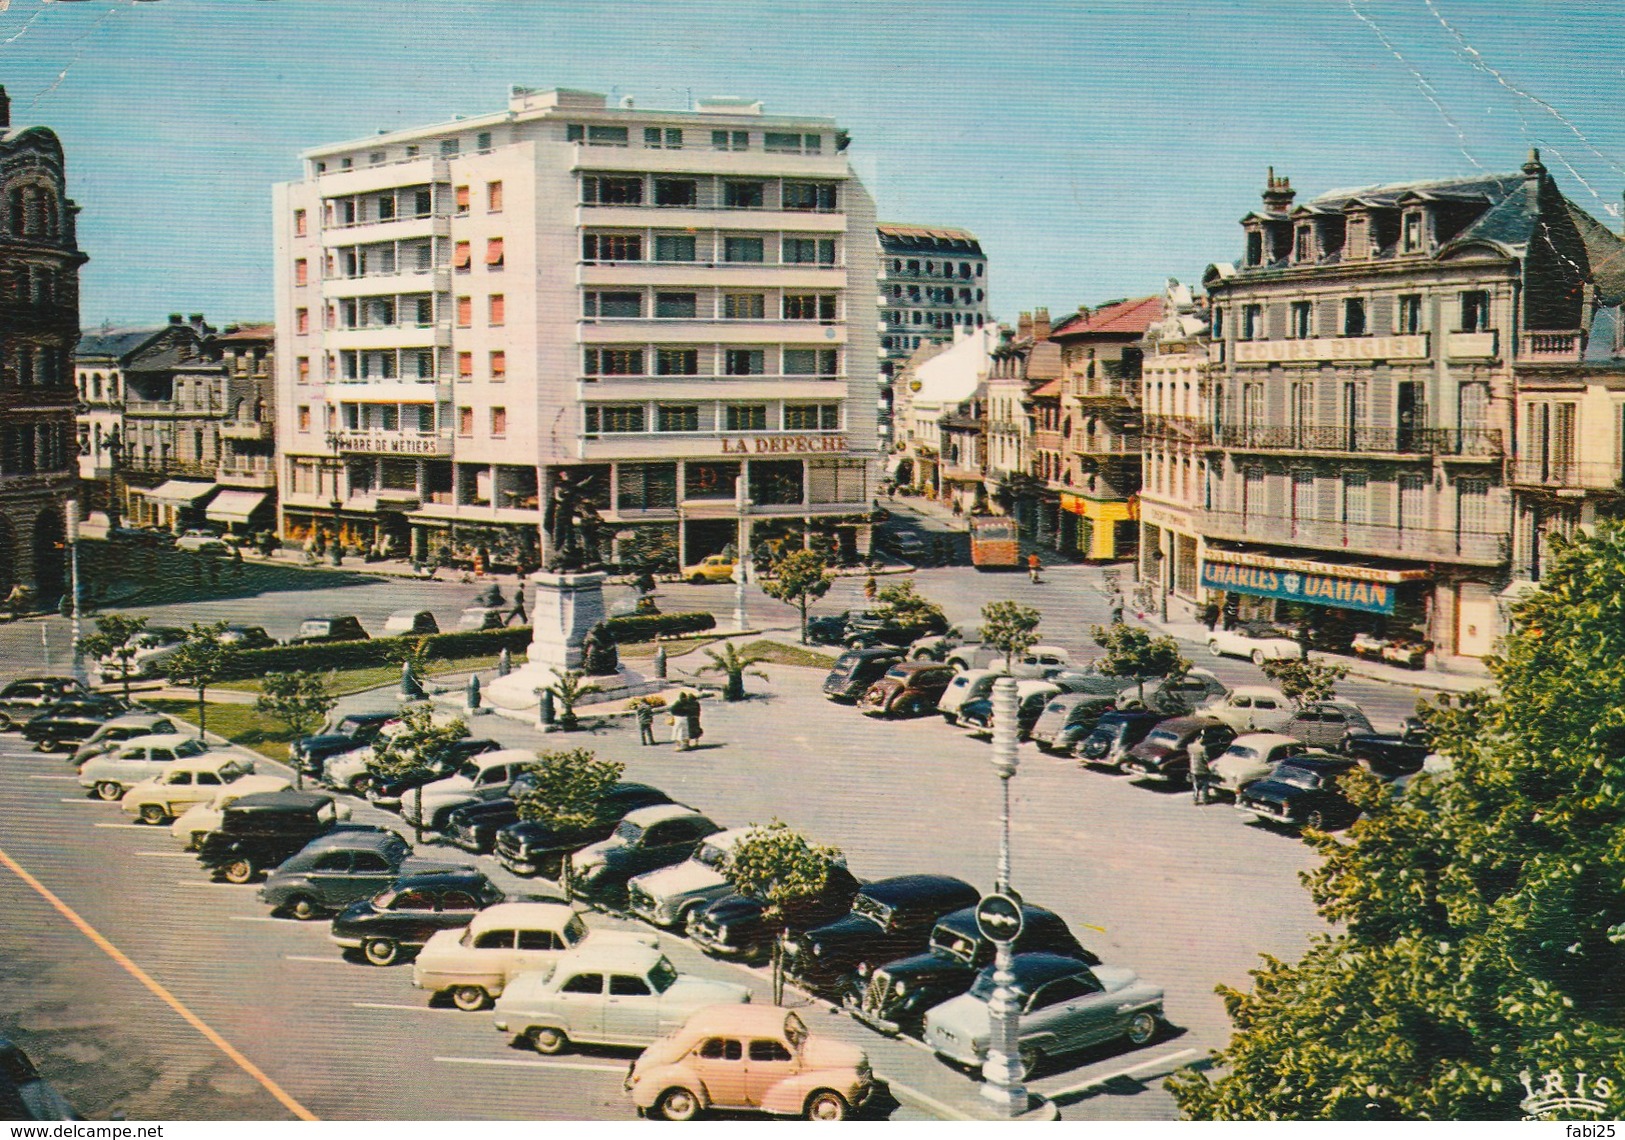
pixel 993 543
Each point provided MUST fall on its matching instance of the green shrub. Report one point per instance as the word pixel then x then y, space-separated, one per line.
pixel 646 627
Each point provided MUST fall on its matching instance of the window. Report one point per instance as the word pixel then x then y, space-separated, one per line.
pixel 613 361
pixel 1303 243
pixel 499 422
pixel 676 192
pixel 667 138
pixel 746 417
pixel 811 362
pixel 607 136
pixel 584 984
pixel 677 362
pixel 812 417
pixel 301 321
pixel 1354 316
pixel 493 197
pixel 303 366
pixel 301 227
pixel 744 306
pixel 809 306
pixel 627 985
pixel 613 305
pixel 465 365
pixel 674 247
pixel 1356 498
pixel 462 256
pixel 781 142
pixel 809 197
pixel 1475 311
pixel 1217 323
pixel 676 305
pixel 493 253
pixel 1255 247
pixel 730 140
pixel 496 306
pixel 301 272
pixel 465 312
pixel 461 194
pixel 465 421
pixel 304 417
pixel 614 418
pixel 606 190
pixel 742 249
pixel 721 1049
pixel 499 364
pixel 612 247
pixel 768 1051
pixel 574 132
pixel 1299 326
pixel 808 251
pixel 1410 313
pixel 1252 322
pixel 386 207
pixel 1413 232
pixel 677 417
pixel 744 362
pixel 423 203
pixel 744 195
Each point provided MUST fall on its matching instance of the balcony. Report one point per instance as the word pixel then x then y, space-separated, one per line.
pixel 1471 443
pixel 1178 429
pixel 1471 345
pixel 1566 476
pixel 167 468
pixel 245 429
pixel 1482 548
pixel 258 473
pixel 1106 444
pixel 1564 347
pixel 1102 388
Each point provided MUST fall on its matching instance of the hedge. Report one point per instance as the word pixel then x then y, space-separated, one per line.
pixel 479 643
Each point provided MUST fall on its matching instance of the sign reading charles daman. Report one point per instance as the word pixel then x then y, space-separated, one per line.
pixel 784 445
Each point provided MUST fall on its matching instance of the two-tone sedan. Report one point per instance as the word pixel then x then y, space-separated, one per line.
pixel 1259 643
pixel 391 925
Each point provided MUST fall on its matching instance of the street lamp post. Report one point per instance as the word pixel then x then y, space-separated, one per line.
pixel 114 444
pixel 1164 572
pixel 335 555
pixel 1001 1072
pixel 743 560
pixel 71 508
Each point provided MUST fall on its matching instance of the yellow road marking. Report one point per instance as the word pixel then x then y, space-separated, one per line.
pixel 158 990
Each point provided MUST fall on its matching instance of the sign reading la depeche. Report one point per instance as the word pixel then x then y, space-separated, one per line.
pixel 784 445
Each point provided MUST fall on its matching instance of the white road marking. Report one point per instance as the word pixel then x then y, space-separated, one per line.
pixel 259 918
pixel 207 883
pixel 164 854
pixel 310 957
pixel 411 1008
pixel 86 800
pixel 133 826
pixel 515 1063
pixel 45 776
pixel 1128 1072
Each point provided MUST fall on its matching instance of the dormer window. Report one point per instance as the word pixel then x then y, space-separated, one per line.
pixel 1304 244
pixel 1255 247
pixel 1412 241
pixel 1354 316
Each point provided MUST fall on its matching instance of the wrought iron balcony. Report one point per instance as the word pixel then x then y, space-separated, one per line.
pixel 1477 547
pixel 1359 439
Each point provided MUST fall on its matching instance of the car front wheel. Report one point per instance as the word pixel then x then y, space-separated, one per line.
pixel 826 1104
pixel 303 907
pixel 154 814
pixel 677 1104
pixel 548 1041
pixel 109 791
pixel 1142 1027
pixel 470 998
pixel 1315 821
pixel 238 871
pixel 1258 657
pixel 1213 648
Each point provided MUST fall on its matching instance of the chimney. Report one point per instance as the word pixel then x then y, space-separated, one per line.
pixel 176 319
pixel 1024 326
pixel 5 109
pixel 1041 324
pixel 196 321
pixel 1278 193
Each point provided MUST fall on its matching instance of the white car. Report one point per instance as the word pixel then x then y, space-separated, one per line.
pixel 182 785
pixel 1036 663
pixel 149 650
pixel 201 818
pixel 1250 708
pixel 1253 757
pixel 667 897
pixel 122 728
pixel 199 540
pixel 1259 642
pixel 482 777
pixel 966 686
pixel 114 773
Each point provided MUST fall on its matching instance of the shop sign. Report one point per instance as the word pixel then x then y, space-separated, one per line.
pixel 784 444
pixel 365 444
pixel 1291 586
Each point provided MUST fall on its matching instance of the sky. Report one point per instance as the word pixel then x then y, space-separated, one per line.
pixel 1097 148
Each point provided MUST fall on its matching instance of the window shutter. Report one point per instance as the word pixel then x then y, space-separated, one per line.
pixel 493 251
pixel 462 255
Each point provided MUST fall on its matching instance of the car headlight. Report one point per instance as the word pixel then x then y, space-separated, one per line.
pixel 863 969
pixel 817 950
pixel 899 988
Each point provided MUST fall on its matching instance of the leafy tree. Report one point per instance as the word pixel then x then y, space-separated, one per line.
pixel 798 578
pixel 198 662
pixel 1133 653
pixel 405 752
pixel 1009 627
pixel 735 663
pixel 1304 682
pixel 300 700
pixel 901 604
pixel 778 866
pixel 1480 918
pixel 565 790
pixel 115 637
pixel 568 690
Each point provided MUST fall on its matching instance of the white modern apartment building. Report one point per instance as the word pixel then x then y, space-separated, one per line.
pixel 644 306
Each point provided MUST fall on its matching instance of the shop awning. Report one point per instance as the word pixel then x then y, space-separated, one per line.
pixel 1317 566
pixel 180 491
pixel 233 506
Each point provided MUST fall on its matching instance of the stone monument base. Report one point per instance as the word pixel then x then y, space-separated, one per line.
pixel 519 690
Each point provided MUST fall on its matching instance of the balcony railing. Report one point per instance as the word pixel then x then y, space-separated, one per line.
pixel 168 467
pixel 1564 347
pixel 245 429
pixel 1579 475
pixel 1178 429
pixel 1478 547
pixel 1106 443
pixel 1477 442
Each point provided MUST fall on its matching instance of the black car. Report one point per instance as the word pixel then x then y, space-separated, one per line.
pixel 531 847
pixel 400 920
pixel 899 993
pixel 246 637
pixel 1303 791
pixel 334 870
pixel 1392 754
pixel 1067 719
pixel 734 926
pixel 889 919
pixel 1163 755
pixel 977 713
pixel 1180 696
pixel 388 793
pixel 64 727
pixel 871 628
pixel 316 630
pixel 25 698
pixel 24 1094
pixel 857 669
pixel 263 829
pixel 351 732
pixel 827 630
pixel 645 840
pixel 1114 734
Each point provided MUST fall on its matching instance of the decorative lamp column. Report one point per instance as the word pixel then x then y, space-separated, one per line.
pixel 71 509
pixel 1001 1072
pixel 335 555
pixel 743 558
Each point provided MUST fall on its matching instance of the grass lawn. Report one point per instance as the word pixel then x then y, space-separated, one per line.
pixel 239 724
pixel 674 648
pixel 776 653
pixel 358 680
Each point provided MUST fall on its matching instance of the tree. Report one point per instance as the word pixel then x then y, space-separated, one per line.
pixel 565 790
pixel 198 662
pixel 568 689
pixel 798 578
pixel 1009 627
pixel 735 663
pixel 115 638
pixel 1479 919
pixel 1133 653
pixel 300 700
pixel 779 867
pixel 405 752
pixel 902 605
pixel 1303 682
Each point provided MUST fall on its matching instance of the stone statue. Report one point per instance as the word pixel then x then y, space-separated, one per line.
pixel 599 656
pixel 563 522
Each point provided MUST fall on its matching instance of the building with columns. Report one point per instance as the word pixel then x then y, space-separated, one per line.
pixel 638 308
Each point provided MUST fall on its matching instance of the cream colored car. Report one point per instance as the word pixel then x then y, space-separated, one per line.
pixel 183 785
pixel 1250 708
pixel 201 818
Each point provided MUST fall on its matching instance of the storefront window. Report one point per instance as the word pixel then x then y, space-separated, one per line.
pixel 709 480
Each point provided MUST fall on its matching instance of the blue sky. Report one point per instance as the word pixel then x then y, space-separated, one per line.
pixel 1096 148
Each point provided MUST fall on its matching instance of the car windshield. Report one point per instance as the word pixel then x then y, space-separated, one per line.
pixel 661 975
pixel 1163 736
pixel 628 832
pixel 878 912
pixel 710 855
pixel 386 899
pixel 574 930
pixel 1055 707
pixel 847 663
pixel 1298 777
pixel 468 770
pixel 189 748
pixel 795 1031
pixel 983 987
pixel 950 941
pixel 312 628
pixel 349 726
pixel 1242 752
pixel 898 671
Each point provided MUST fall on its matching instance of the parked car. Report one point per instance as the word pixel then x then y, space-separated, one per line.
pixel 711 568
pixel 856 669
pixel 907 545
pixel 246 637
pixel 1391 754
pixel 148 537
pixel 667 896
pixel 755 1058
pixel 1256 641
pixel 409 623
pixel 1162 755
pixel 1065 1006
pixel 899 992
pixel 827 629
pixel 965 685
pixel 24 1094
pixel 122 728
pixel 908 688
pixel 475 618
pixel 1109 742
pixel 735 927
pixel 1409 652
pixel 877 627
pixel 474 964
pixel 315 630
pixel 389 793
pixel 485 776
pixel 64 727
pixel 25 698
pixel 968 657
pixel 195 822
pixel 1325 724
pixel 261 830
pixel 1031 699
pixel 334 870
pixel 531 847
pixel 113 773
pixel 1302 792
pixel 1087 679
pixel 1178 696
pixel 1252 757
pixel 889 919
pixel 645 840
pixel 606 994
pixel 350 732
pixel 1067 719
pixel 1250 708
pixel 199 542
pixel 145 658
pixel 182 785
pixel 401 918
pixel 935 646
pixel 1039 662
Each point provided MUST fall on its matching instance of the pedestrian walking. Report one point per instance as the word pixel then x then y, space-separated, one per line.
pixel 1201 774
pixel 1033 566
pixel 1117 607
pixel 646 722
pixel 518 610
pixel 870 587
pixel 685 720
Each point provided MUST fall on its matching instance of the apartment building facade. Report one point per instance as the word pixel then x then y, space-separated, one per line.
pixel 634 308
pixel 941 417
pixel 39 322
pixel 1023 362
pixel 933 287
pixel 1364 360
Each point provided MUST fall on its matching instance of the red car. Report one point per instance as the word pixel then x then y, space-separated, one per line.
pixel 910 688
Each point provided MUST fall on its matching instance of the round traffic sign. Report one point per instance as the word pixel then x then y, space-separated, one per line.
pixel 998 917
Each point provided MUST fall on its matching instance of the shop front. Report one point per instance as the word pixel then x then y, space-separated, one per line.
pixel 1333 600
pixel 1099 529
